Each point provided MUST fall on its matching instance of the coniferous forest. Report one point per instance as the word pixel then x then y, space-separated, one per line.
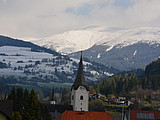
pixel 26 106
pixel 145 87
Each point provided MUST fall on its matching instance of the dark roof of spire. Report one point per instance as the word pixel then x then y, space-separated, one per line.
pixel 80 80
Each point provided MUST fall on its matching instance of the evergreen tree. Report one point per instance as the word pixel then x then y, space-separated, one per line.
pixel 26 96
pixel 52 98
pixel 12 94
pixel 32 109
pixel 16 116
pixel 46 114
pixel 119 85
pixel 65 97
pixel 19 100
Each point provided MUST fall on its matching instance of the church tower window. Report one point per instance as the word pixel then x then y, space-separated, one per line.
pixel 72 97
pixel 81 97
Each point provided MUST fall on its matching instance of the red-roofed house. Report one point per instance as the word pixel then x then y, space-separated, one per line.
pixel 85 115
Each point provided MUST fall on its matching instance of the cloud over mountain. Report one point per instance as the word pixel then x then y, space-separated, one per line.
pixel 39 18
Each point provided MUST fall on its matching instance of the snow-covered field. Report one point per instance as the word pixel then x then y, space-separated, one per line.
pixel 21 56
pixel 23 62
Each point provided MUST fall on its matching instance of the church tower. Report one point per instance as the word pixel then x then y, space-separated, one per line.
pixel 80 91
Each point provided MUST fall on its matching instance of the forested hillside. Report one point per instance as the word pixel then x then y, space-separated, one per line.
pixel 153 68
pixel 145 87
pixel 119 84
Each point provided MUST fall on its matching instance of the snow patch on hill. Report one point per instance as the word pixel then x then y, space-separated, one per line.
pixel 99 55
pixel 134 52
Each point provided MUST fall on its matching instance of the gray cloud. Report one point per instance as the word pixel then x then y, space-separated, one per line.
pixel 39 18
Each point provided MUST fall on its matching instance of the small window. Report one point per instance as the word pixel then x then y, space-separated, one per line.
pixel 142 115
pixel 72 97
pixel 81 97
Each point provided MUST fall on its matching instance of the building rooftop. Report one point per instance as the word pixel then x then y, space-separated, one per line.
pixel 85 115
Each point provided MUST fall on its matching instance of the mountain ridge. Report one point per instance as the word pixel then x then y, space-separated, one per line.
pixel 122 48
pixel 82 39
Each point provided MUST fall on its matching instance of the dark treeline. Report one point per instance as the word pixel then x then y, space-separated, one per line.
pixel 26 106
pixel 122 85
pixel 4 89
pixel 118 85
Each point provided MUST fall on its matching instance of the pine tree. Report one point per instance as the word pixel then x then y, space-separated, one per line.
pixel 65 97
pixel 12 94
pixel 19 100
pixel 16 116
pixel 32 109
pixel 46 114
pixel 52 98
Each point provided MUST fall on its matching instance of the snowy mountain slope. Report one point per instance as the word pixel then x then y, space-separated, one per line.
pixel 77 40
pixel 31 67
pixel 70 42
pixel 132 36
pixel 126 58
pixel 122 48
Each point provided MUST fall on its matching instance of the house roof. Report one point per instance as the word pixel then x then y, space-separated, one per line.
pixel 80 79
pixel 6 108
pixel 85 115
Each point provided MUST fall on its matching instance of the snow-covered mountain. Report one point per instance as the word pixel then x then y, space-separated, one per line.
pixel 77 40
pixel 69 42
pixel 103 43
pixel 35 65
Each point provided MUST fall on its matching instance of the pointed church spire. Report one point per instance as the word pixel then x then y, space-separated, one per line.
pixel 81 59
pixel 80 79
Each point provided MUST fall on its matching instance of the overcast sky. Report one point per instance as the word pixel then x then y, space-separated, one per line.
pixel 42 18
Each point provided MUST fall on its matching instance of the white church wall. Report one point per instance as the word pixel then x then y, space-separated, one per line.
pixel 81 104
